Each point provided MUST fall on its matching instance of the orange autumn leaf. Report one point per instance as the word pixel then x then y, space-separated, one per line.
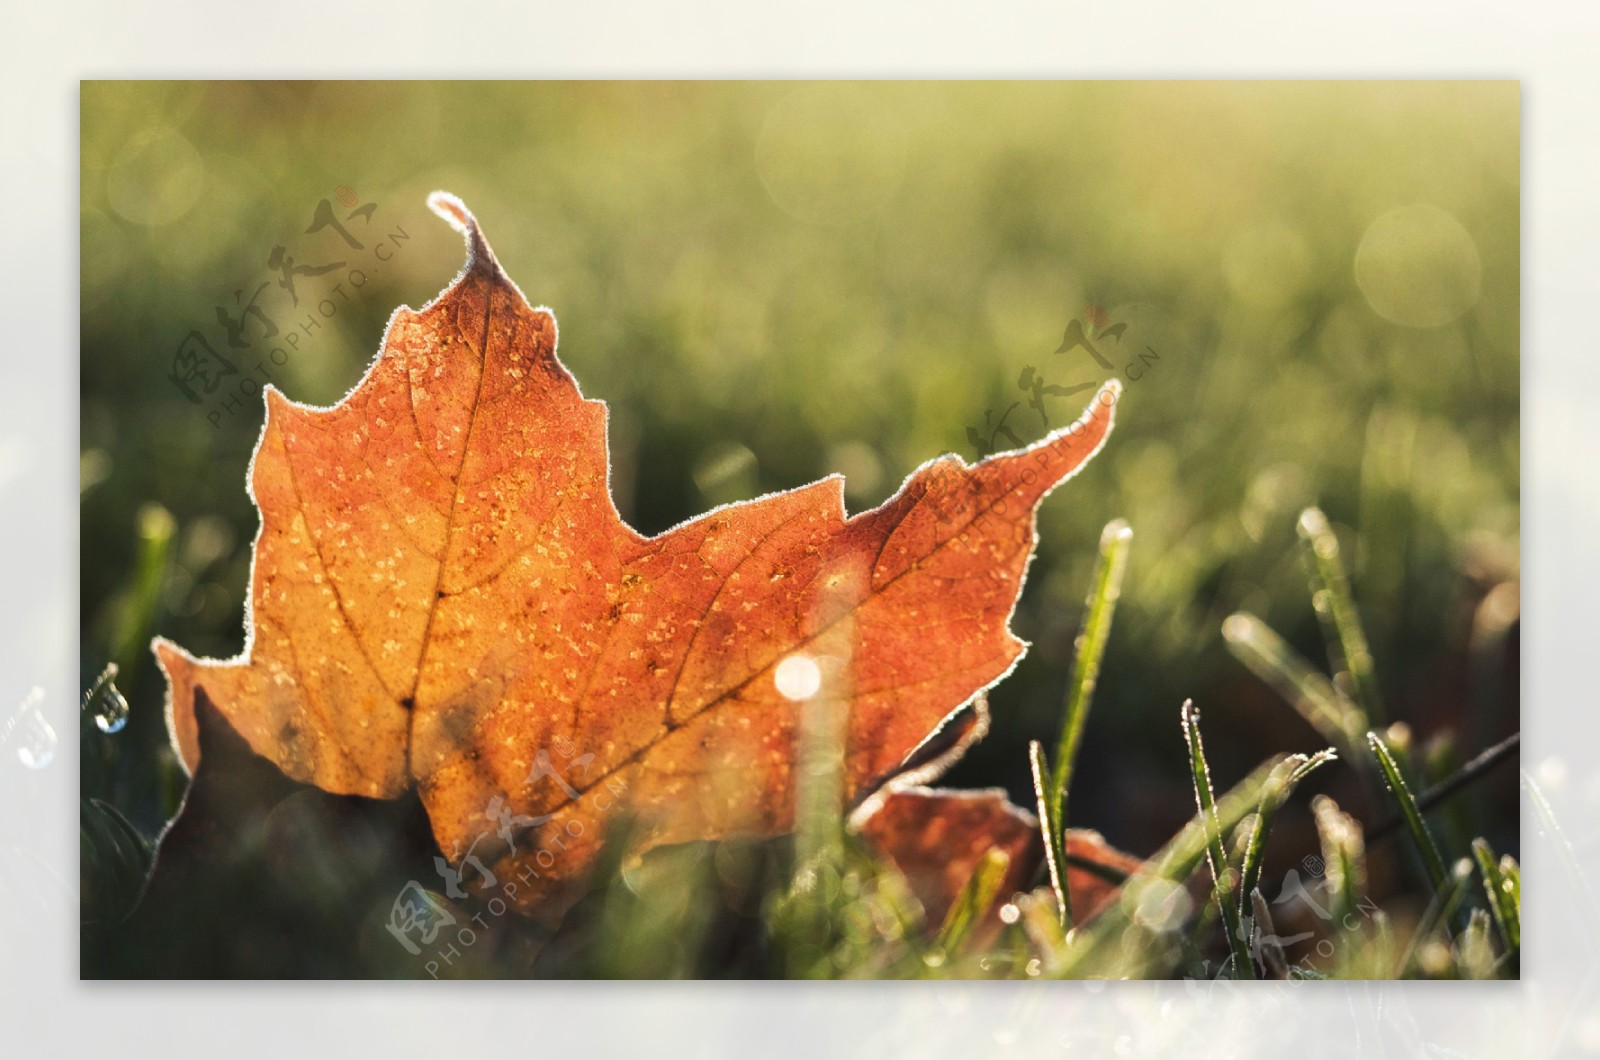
pixel 443 594
pixel 936 837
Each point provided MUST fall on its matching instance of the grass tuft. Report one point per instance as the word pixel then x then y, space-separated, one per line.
pixel 1222 875
pixel 1501 885
pixel 1280 785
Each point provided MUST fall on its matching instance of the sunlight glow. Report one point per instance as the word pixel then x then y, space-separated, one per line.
pixel 798 678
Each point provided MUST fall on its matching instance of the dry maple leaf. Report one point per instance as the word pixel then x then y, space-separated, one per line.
pixel 936 837
pixel 443 594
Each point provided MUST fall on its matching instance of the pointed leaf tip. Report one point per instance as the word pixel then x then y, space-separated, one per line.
pixel 453 210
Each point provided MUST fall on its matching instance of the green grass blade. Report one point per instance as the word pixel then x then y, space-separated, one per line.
pixel 1280 786
pixel 1457 781
pixel 1397 740
pixel 1432 860
pixel 1310 763
pixel 1115 541
pixel 1054 835
pixel 1502 896
pixel 1511 883
pixel 1221 873
pixel 1140 934
pixel 1270 658
pixel 976 896
pixel 1335 606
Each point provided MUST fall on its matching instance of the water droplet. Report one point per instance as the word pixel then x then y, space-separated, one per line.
pixel 30 734
pixel 105 702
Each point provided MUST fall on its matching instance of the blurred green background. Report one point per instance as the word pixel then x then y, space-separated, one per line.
pixel 768 282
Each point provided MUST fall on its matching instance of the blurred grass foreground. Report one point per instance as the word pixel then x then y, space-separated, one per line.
pixel 1310 292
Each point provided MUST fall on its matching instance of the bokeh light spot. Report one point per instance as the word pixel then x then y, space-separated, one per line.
pixel 831 154
pixel 1418 266
pixel 798 678
pixel 156 178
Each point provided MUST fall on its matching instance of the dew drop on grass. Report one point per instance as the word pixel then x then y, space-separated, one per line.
pixel 106 703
